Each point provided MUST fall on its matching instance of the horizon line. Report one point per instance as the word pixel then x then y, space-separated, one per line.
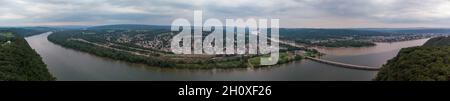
pixel 280 27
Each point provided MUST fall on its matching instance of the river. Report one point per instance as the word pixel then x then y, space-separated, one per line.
pixel 71 65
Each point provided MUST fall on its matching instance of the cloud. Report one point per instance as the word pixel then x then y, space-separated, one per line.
pixel 387 11
pixel 292 13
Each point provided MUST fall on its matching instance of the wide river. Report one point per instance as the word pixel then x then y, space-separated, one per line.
pixel 69 65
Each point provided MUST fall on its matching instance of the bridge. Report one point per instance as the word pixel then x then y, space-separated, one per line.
pixel 339 64
pixel 345 65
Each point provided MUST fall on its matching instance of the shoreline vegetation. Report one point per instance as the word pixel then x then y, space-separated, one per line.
pixel 18 61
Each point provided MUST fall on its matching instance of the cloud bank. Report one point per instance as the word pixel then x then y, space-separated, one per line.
pixel 292 13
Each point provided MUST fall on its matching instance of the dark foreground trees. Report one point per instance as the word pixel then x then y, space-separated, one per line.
pixel 430 62
pixel 19 62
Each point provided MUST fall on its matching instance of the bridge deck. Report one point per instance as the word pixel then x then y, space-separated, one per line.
pixel 351 66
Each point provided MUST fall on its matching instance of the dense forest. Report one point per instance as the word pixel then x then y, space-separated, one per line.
pixel 18 61
pixel 439 41
pixel 430 62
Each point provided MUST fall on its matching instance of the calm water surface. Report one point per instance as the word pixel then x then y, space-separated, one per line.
pixel 69 65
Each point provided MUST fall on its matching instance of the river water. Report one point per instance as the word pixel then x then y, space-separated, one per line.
pixel 71 65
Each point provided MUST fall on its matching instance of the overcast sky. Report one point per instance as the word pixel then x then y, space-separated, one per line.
pixel 292 13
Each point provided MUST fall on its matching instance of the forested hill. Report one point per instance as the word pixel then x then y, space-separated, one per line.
pixel 430 62
pixel 439 41
pixel 27 31
pixel 18 61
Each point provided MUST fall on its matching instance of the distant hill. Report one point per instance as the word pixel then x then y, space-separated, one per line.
pixel 439 41
pixel 425 30
pixel 407 30
pixel 307 33
pixel 27 31
pixel 129 27
pixel 430 62
pixel 70 27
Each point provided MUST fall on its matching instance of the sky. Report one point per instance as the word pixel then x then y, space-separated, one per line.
pixel 292 13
